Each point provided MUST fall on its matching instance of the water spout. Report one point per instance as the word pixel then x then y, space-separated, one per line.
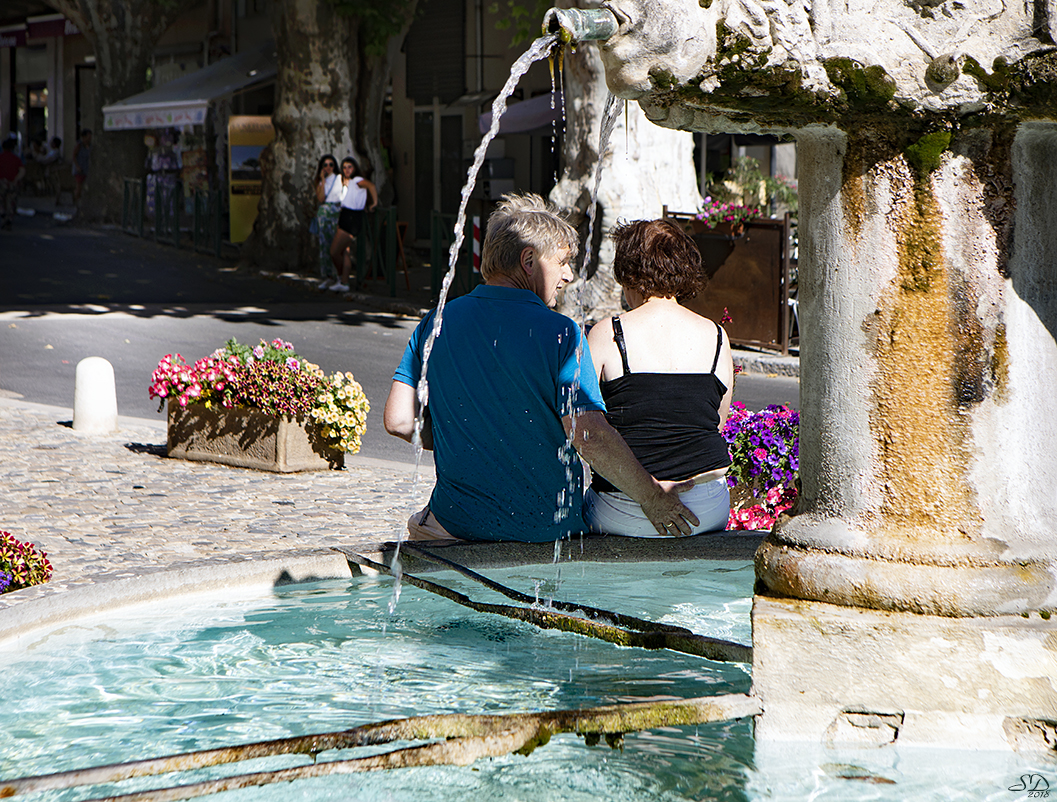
pixel 580 24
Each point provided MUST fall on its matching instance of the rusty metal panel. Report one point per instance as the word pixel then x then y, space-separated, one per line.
pixel 747 278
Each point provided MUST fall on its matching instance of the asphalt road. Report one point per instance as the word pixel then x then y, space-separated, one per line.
pixel 67 293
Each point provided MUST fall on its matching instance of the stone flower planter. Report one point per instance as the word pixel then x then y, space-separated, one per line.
pixel 248 438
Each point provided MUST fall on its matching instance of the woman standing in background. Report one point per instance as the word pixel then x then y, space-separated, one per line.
pixel 359 195
pixel 329 191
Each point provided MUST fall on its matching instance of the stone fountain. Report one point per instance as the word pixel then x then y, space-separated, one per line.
pixel 909 597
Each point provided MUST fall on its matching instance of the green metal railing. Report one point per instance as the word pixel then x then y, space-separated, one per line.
pixel 206 233
pixel 442 235
pixel 168 204
pixel 376 248
pixel 134 206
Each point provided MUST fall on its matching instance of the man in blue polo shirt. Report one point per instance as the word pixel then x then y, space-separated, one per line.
pixel 507 395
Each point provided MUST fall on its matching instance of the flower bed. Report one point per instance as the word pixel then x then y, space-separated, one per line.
pixel 764 474
pixel 270 380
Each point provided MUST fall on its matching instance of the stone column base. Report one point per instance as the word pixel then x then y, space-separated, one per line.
pixel 845 675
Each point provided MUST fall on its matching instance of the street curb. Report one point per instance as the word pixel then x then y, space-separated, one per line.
pixel 759 364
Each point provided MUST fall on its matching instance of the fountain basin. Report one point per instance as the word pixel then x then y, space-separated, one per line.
pixel 245 664
pixel 228 667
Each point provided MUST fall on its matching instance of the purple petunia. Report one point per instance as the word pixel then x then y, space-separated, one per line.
pixel 764 450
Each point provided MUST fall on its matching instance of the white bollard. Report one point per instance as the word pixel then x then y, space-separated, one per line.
pixel 94 397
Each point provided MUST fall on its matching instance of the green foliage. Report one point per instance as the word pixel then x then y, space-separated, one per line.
pixel 525 19
pixel 274 351
pixel 746 185
pixel 924 155
pixel 381 19
pixel 21 564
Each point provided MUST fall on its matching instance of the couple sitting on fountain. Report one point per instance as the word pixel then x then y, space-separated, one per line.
pixel 508 393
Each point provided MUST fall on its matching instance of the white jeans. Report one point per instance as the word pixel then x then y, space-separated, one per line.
pixel 616 514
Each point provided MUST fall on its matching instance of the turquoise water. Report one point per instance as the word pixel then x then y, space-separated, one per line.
pixel 202 672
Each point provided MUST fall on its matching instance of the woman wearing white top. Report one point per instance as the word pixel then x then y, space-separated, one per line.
pixel 359 194
pixel 328 193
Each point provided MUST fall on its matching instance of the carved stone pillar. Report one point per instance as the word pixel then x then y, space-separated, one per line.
pixel 910 595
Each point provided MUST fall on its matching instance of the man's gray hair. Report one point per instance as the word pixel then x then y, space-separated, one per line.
pixel 519 222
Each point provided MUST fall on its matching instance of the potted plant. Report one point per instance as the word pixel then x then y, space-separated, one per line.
pixel 724 217
pixel 263 407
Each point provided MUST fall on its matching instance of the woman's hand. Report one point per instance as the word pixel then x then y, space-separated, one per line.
pixel 372 194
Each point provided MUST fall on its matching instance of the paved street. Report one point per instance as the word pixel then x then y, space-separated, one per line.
pixel 112 505
pixel 162 300
pixel 115 506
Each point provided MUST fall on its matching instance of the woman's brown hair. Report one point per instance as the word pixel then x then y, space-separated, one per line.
pixel 657 259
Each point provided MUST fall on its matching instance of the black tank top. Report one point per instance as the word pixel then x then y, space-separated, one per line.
pixel 669 420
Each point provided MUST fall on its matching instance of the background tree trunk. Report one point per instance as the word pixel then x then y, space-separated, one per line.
pixel 122 34
pixel 646 167
pixel 330 94
pixel 317 64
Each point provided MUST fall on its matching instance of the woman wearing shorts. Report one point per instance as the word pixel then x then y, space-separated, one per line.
pixel 360 194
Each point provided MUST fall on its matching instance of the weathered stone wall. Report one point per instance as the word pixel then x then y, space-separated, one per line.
pixel 726 65
pixel 888 604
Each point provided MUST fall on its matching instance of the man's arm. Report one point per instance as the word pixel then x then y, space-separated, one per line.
pixel 607 453
pixel 401 408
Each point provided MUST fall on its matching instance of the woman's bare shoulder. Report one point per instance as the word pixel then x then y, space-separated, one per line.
pixel 603 328
pixel 697 319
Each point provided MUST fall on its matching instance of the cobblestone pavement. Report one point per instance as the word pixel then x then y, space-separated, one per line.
pixel 112 505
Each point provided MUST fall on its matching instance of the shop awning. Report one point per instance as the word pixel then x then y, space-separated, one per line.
pixel 185 100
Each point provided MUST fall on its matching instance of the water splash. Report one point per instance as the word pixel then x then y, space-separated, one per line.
pixel 539 49
pixel 566 453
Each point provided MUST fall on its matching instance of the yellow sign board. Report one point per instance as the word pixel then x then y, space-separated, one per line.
pixel 247 137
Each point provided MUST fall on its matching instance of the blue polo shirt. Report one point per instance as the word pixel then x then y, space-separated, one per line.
pixel 502 373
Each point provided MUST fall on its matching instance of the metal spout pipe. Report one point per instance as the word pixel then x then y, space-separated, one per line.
pixel 580 24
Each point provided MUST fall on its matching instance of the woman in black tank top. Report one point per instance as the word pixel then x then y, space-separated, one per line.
pixel 667 377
